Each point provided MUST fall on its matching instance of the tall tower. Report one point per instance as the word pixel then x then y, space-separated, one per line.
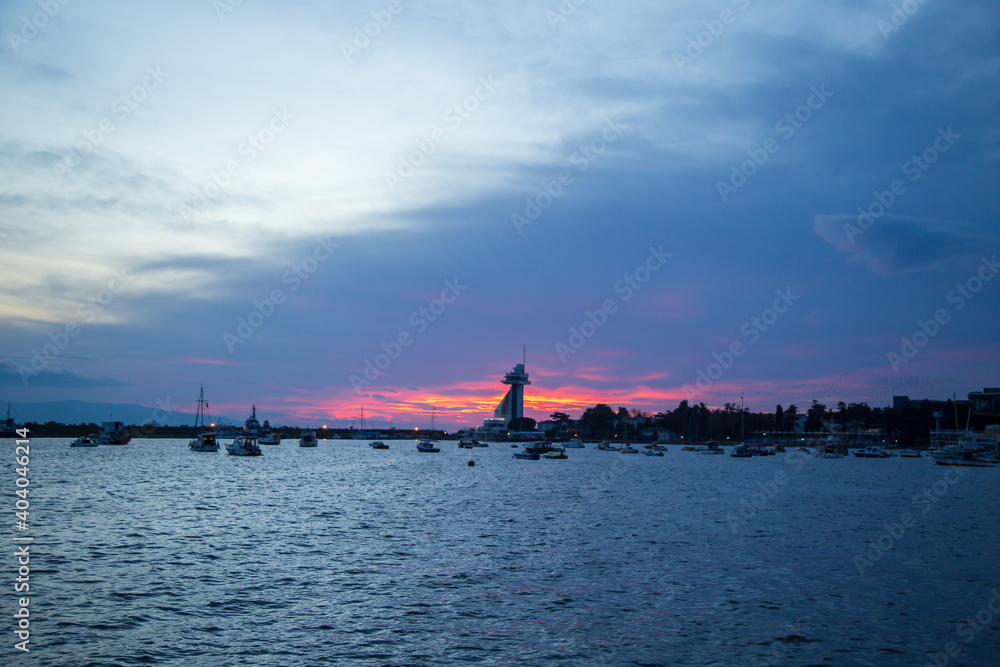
pixel 517 379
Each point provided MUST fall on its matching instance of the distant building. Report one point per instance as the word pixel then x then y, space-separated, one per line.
pixel 987 400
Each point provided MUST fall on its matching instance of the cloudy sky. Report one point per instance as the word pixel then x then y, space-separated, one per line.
pixel 657 200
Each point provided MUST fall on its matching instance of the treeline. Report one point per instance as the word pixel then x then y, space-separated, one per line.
pixel 909 425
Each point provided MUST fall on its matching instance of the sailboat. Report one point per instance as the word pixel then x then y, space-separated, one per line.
pixel 205 441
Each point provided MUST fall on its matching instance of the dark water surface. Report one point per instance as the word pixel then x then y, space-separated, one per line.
pixel 151 554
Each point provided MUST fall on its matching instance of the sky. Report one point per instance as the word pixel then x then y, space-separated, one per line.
pixel 648 202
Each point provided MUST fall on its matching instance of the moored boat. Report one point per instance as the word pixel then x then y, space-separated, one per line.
pixel 555 455
pixel 85 441
pixel 378 444
pixel 244 445
pixel 308 439
pixel 871 452
pixel 956 456
pixel 527 456
pixel 113 433
pixel 574 443
pixel 206 440
pixel 267 436
pixel 427 446
pixel 653 452
pixel 908 453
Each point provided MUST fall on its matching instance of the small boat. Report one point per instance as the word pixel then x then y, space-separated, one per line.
pixel 206 440
pixel 427 446
pixel 555 455
pixel 653 452
pixel 476 443
pixel 953 455
pixel 378 444
pixel 627 448
pixel 575 443
pixel 244 445
pixel 830 452
pixel 712 447
pixel 113 433
pixel 908 453
pixel 269 437
pixel 466 443
pixel 527 456
pixel 85 441
pixel 308 439
pixel 607 447
pixel 741 451
pixel 871 452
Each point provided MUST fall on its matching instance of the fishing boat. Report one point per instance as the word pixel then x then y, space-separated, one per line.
pixel 466 443
pixel 427 446
pixel 574 443
pixel 206 440
pixel 378 444
pixel 527 456
pixel 307 439
pixel 113 433
pixel 741 451
pixel 871 452
pixel 267 436
pixel 85 441
pixel 244 445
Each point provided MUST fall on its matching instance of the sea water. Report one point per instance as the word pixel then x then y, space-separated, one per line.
pixel 152 554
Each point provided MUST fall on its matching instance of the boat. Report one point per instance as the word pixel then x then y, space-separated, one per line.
pixel 251 427
pixel 307 439
pixel 113 433
pixel 956 455
pixel 560 454
pixel 830 452
pixel 466 443
pixel 427 446
pixel 712 447
pixel 244 445
pixel 267 436
pixel 527 456
pixel 627 448
pixel 378 444
pixel 206 440
pixel 871 452
pixel 908 453
pixel 543 447
pixel 9 427
pixel 574 443
pixel 653 452
pixel 607 447
pixel 741 451
pixel 85 441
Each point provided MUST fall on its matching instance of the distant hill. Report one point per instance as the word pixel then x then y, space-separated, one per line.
pixel 82 412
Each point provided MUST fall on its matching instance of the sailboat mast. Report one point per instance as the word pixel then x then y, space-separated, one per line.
pixel 742 437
